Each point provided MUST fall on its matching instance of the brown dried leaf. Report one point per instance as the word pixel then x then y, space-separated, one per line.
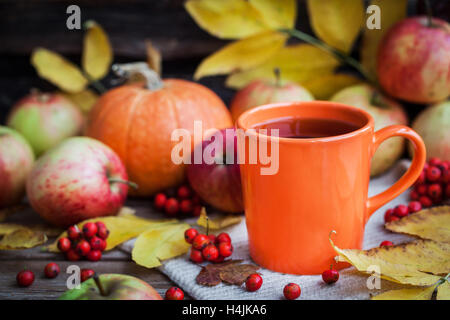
pixel 219 222
pixel 230 271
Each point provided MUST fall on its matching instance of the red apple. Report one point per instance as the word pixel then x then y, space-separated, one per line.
pixel 218 184
pixel 413 61
pixel 262 92
pixel 81 178
pixel 112 287
pixel 45 119
pixel 385 112
pixel 16 161
pixel 433 125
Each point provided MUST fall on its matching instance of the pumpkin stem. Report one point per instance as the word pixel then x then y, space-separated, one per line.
pixel 138 70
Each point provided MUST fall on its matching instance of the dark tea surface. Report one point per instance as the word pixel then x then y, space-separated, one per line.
pixel 303 128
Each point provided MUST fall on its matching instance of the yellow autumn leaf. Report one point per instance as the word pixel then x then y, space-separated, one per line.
pixel 391 11
pixel 22 238
pixel 415 263
pixel 127 212
pixel 277 14
pixel 97 53
pixel 443 291
pixel 325 86
pixel 59 71
pixel 337 22
pixel 298 63
pixel 231 19
pixel 160 243
pixel 154 59
pixel 219 222
pixel 120 229
pixel 85 99
pixel 407 294
pixel 242 55
pixel 433 224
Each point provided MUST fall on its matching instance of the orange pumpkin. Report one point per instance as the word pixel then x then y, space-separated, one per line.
pixel 137 121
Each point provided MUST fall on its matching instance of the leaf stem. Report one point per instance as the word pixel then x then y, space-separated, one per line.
pixel 341 56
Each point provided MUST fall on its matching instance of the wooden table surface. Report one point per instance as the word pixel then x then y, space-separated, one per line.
pixel 115 261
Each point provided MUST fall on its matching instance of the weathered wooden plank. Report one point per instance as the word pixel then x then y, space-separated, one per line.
pixel 43 288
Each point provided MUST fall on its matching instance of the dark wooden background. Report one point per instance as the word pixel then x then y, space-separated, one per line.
pixel 26 24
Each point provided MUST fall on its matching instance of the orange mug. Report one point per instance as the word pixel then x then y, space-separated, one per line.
pixel 321 185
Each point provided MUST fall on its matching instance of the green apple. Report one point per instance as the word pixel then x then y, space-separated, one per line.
pixel 112 287
pixel 433 125
pixel 385 112
pixel 45 119
pixel 16 162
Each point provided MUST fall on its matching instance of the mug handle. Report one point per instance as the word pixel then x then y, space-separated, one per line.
pixel 410 176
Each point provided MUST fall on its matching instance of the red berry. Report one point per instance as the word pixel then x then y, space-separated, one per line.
pixel 212 238
pixel 73 232
pixel 51 270
pixel 160 201
pixel 445 178
pixel 414 195
pixel 421 179
pixel 89 230
pixel 292 291
pixel 223 237
pixel 225 249
pixel 219 259
pixel 421 189
pixel 210 252
pixel 330 276
pixel 253 282
pixel 72 255
pixel 190 234
pixel 174 293
pixel 196 200
pixel 433 173
pixel 86 274
pixel 425 201
pixel 186 206
pixel 196 256
pixel 435 190
pixel 103 233
pixel 94 255
pixel 435 161
pixel 388 215
pixel 401 211
pixel 393 218
pixel 97 243
pixel 171 207
pixel 83 247
pixel 64 244
pixel 386 244
pixel 184 192
pixel 447 191
pixel 414 206
pixel 197 210
pixel 100 224
pixel 200 242
pixel 25 278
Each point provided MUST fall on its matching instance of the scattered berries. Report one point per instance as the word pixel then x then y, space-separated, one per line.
pixel 196 256
pixel 425 201
pixel 292 291
pixel 51 270
pixel 401 211
pixel 86 274
pixel 184 192
pixel 433 173
pixel 225 249
pixel 190 234
pixel 89 230
pixel 186 206
pixel 200 242
pixel 64 244
pixel 88 243
pixel 253 282
pixel 174 293
pixel 171 207
pixel 160 201
pixel 414 206
pixel 330 276
pixel 223 237
pixel 182 200
pixel 435 191
pixel 386 243
pixel 210 252
pixel 25 278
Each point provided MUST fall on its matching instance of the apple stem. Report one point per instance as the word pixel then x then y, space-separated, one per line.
pixel 341 56
pixel 118 180
pixel 100 287
pixel 429 13
pixel 277 73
